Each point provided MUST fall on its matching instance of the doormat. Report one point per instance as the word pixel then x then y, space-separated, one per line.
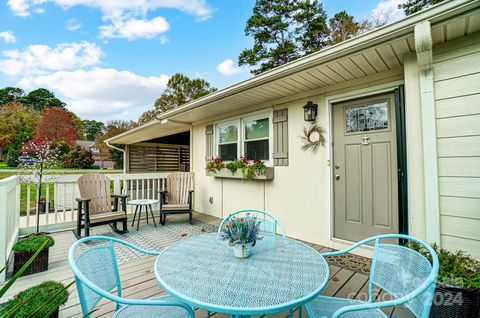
pixel 350 261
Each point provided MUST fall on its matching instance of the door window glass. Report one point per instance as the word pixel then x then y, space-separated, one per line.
pixel 366 118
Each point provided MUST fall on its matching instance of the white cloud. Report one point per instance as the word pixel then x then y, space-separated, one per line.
pixel 19 7
pixel 40 59
pixel 73 24
pixel 8 37
pixel 134 28
pixel 387 11
pixel 39 10
pixel 114 9
pixel 102 93
pixel 228 68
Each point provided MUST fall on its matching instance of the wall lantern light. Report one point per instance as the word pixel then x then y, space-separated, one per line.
pixel 310 111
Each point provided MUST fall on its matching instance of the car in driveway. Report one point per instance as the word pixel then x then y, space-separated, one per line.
pixel 27 160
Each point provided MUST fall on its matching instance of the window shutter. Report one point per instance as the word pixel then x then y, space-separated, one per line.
pixel 209 142
pixel 280 137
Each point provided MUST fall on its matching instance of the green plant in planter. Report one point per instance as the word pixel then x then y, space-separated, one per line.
pixel 251 170
pixel 216 164
pixel 33 243
pixel 39 301
pixel 456 268
pixel 234 165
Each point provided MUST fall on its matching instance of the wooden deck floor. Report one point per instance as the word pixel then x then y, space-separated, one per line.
pixel 138 281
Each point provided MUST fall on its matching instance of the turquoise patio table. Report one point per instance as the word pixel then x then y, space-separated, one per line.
pixel 280 274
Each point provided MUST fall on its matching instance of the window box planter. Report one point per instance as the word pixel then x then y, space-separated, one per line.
pixel 26 248
pixel 225 173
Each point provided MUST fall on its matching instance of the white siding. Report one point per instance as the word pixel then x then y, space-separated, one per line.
pixel 299 195
pixel 457 94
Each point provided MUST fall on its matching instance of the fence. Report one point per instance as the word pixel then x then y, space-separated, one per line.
pixel 58 209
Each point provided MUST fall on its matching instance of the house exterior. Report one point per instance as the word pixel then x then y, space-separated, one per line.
pixel 88 145
pixel 401 111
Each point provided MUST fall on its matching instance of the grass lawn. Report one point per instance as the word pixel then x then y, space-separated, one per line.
pixel 3 165
pixel 33 188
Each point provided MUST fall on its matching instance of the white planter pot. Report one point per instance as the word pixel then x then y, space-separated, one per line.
pixel 242 250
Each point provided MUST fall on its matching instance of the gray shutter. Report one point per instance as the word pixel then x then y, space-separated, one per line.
pixel 209 145
pixel 280 137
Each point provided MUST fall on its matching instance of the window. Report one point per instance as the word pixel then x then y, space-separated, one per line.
pixel 228 141
pixel 250 137
pixel 366 118
pixel 256 139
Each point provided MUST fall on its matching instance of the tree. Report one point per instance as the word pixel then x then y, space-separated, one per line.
pixel 55 125
pixel 17 125
pixel 414 6
pixel 11 95
pixel 343 27
pixel 92 129
pixel 43 170
pixel 113 128
pixel 42 98
pixel 77 123
pixel 283 30
pixel 147 116
pixel 180 90
pixel 12 156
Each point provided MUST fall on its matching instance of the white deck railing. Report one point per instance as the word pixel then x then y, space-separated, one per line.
pixel 18 209
pixel 9 218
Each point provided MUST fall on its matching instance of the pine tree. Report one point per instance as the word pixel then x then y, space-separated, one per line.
pixel 283 30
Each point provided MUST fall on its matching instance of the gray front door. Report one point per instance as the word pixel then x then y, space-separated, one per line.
pixel 365 168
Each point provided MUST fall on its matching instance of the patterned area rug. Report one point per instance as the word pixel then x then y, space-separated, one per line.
pixel 153 239
pixel 177 228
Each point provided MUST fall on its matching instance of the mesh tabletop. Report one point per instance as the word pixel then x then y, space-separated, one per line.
pixel 281 273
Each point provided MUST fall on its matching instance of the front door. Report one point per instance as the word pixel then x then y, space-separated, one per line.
pixel 365 168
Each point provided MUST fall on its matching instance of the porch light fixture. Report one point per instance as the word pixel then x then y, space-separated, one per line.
pixel 310 111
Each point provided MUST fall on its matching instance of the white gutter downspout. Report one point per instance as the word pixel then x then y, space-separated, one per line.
pixel 124 155
pixel 423 47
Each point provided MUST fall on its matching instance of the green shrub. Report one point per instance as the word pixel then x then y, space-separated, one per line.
pixel 30 300
pixel 78 158
pixel 61 147
pixel 33 243
pixel 12 156
pixel 456 268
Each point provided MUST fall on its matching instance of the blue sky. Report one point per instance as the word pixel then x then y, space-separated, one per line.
pixel 110 59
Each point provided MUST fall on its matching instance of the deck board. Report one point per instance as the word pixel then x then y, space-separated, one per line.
pixel 138 281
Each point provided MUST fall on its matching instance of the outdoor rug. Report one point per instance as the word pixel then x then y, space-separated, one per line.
pixel 150 238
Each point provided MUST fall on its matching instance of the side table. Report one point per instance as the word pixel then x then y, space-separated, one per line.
pixel 139 204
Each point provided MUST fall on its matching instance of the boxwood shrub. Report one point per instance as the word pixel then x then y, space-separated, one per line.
pixel 33 243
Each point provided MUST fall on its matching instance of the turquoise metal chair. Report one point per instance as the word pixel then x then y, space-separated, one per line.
pixel 268 222
pixel 95 268
pixel 405 274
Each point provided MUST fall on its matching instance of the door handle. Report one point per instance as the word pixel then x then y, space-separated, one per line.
pixel 337 177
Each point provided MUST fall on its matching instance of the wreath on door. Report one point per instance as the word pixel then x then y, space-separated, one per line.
pixel 313 137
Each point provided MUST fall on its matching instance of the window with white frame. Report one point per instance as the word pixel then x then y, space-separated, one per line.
pixel 256 138
pixel 250 137
pixel 228 141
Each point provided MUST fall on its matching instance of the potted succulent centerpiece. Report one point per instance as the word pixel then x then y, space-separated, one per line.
pixel 40 301
pixel 457 294
pixel 26 247
pixel 242 234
